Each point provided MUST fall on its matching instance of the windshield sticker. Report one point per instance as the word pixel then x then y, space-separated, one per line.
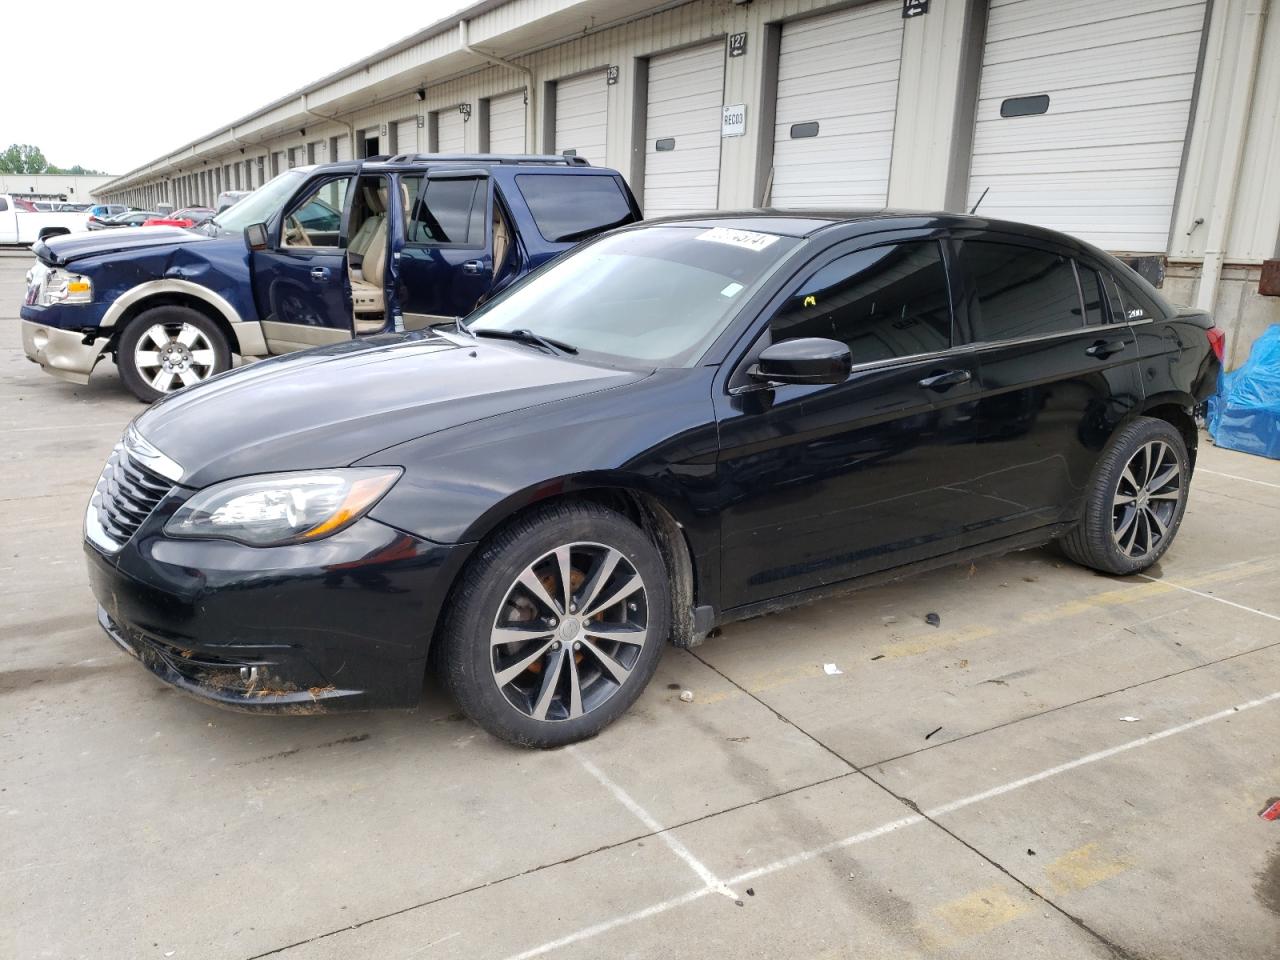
pixel 747 239
pixel 732 290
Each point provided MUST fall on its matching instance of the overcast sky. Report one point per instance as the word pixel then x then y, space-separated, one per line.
pixel 112 85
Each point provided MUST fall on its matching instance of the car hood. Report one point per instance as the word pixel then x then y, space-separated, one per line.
pixel 331 406
pixel 58 251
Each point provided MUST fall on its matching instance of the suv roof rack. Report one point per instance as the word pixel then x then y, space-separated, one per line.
pixel 502 158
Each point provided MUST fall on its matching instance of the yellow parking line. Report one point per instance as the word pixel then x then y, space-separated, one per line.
pixel 1082 868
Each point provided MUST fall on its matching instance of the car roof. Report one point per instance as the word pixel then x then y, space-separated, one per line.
pixel 806 223
pixel 410 161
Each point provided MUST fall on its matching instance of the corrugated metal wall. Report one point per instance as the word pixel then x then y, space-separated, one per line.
pixel 930 132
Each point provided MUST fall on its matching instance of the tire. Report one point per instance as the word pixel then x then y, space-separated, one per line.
pixel 185 339
pixel 1135 502
pixel 535 706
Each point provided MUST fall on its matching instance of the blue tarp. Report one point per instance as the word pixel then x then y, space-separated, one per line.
pixel 1245 412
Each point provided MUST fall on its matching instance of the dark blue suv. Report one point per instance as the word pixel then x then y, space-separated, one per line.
pixel 317 255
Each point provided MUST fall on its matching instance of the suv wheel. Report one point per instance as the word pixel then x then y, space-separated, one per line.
pixel 167 348
pixel 557 625
pixel 1135 504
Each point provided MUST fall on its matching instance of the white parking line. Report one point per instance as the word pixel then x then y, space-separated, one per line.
pixel 586 933
pixel 1210 596
pixel 1232 476
pixel 66 426
pixel 712 883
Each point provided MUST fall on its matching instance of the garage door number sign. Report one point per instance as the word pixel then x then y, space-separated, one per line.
pixel 733 121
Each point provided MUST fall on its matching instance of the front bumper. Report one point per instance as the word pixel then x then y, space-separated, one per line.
pixel 62 353
pixel 344 622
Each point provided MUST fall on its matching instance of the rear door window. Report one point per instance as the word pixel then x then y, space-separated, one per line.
pixel 885 303
pixel 568 208
pixel 1014 292
pixel 449 212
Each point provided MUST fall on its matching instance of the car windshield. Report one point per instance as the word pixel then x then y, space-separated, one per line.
pixel 655 296
pixel 259 206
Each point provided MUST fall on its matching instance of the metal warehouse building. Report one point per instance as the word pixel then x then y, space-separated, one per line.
pixel 1150 127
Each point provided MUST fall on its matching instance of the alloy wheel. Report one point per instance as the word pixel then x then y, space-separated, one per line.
pixel 569 631
pixel 169 356
pixel 1146 499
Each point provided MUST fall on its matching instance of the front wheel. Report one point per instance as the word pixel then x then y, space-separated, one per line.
pixel 557 625
pixel 167 348
pixel 1136 501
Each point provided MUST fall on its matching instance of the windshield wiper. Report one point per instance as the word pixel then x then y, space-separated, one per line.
pixel 525 335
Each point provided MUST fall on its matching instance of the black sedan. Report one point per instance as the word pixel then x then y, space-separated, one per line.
pixel 676 425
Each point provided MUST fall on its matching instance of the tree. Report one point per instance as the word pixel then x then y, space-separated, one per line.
pixel 23 158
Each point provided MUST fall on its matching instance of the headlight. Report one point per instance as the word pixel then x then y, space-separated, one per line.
pixel 279 508
pixel 60 286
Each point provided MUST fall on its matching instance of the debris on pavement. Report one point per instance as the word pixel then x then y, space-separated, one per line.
pixel 1030 852
pixel 831 670
pixel 1130 719
pixel 686 696
pixel 751 891
pixel 932 619
pixel 673 686
pixel 888 620
pixel 1272 811
pixel 878 656
pixel 932 732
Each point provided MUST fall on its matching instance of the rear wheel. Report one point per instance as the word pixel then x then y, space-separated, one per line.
pixel 1136 501
pixel 557 625
pixel 167 348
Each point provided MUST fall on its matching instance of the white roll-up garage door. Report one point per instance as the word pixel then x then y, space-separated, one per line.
pixel 837 95
pixel 506 123
pixel 682 131
pixel 582 116
pixel 344 148
pixel 449 131
pixel 1082 115
pixel 407 136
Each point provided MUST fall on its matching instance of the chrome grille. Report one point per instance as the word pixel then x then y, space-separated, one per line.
pixel 126 494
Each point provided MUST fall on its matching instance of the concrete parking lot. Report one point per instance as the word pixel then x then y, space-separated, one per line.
pixel 1068 765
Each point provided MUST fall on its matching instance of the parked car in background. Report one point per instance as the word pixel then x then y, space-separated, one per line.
pixel 678 424
pixel 21 222
pixel 100 213
pixel 316 256
pixel 164 209
pixel 229 198
pixel 186 217
pixel 130 218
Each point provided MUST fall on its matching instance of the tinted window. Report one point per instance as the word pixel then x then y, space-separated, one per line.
pixel 1018 291
pixel 4 204
pixel 451 211
pixel 884 302
pixel 1095 295
pixel 568 208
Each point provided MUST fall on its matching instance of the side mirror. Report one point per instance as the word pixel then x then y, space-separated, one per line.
pixel 807 360
pixel 255 236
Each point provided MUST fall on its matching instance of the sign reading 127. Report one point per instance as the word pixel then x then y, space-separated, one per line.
pixel 914 8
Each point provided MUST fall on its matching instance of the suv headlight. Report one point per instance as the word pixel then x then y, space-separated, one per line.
pixel 279 508
pixel 62 286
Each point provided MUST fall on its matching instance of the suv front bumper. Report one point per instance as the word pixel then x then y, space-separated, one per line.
pixel 62 353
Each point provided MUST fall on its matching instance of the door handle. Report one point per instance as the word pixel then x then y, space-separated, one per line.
pixel 319 274
pixel 1105 348
pixel 946 380
pixel 472 267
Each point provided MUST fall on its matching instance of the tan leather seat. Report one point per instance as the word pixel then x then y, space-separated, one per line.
pixel 366 289
pixel 367 279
